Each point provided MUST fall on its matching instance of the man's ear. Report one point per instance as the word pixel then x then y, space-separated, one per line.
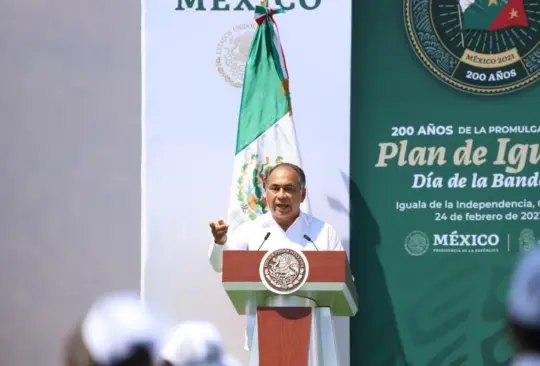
pixel 304 193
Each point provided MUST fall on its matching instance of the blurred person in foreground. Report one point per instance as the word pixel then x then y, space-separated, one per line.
pixel 194 343
pixel 118 330
pixel 524 309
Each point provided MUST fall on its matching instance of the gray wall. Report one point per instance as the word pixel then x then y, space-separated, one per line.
pixel 70 166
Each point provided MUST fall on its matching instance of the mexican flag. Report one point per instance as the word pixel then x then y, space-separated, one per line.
pixel 266 134
pixel 493 14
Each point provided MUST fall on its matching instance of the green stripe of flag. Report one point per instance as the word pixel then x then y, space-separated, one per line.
pixel 263 103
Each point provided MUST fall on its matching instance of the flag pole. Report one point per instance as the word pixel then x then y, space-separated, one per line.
pixel 460 25
pixel 263 3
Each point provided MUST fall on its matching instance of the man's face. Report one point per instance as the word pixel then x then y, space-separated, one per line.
pixel 284 194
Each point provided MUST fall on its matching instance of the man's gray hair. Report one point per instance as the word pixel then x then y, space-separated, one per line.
pixel 299 173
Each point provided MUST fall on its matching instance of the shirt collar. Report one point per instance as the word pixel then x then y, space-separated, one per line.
pixel 268 220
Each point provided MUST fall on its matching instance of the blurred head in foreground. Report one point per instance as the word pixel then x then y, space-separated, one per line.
pixel 524 307
pixel 118 330
pixel 194 344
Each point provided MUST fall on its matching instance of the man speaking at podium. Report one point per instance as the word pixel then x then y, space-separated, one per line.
pixel 284 225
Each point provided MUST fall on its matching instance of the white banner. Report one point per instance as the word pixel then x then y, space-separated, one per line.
pixel 193 62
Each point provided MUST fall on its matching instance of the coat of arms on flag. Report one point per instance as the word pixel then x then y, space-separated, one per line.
pixel 250 189
pixel 479 46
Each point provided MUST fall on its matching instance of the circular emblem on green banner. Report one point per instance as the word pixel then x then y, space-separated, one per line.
pixel 416 243
pixel 526 240
pixel 478 46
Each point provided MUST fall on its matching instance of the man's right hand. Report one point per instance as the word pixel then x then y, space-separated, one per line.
pixel 219 231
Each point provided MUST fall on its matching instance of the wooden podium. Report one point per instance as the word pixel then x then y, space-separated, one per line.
pixel 294 325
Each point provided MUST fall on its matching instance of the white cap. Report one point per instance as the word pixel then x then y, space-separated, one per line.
pixel 115 323
pixel 524 293
pixel 195 343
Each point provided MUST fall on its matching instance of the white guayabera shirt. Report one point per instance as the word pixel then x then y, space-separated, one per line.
pixel 306 233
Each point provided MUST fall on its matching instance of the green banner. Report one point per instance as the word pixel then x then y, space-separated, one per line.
pixel 445 185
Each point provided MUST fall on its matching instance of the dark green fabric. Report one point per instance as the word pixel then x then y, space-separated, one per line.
pixel 438 309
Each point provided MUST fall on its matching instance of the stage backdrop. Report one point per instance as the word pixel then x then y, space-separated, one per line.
pixel 193 62
pixel 445 186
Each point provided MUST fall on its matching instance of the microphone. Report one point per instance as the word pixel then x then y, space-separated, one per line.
pixel 312 242
pixel 265 239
